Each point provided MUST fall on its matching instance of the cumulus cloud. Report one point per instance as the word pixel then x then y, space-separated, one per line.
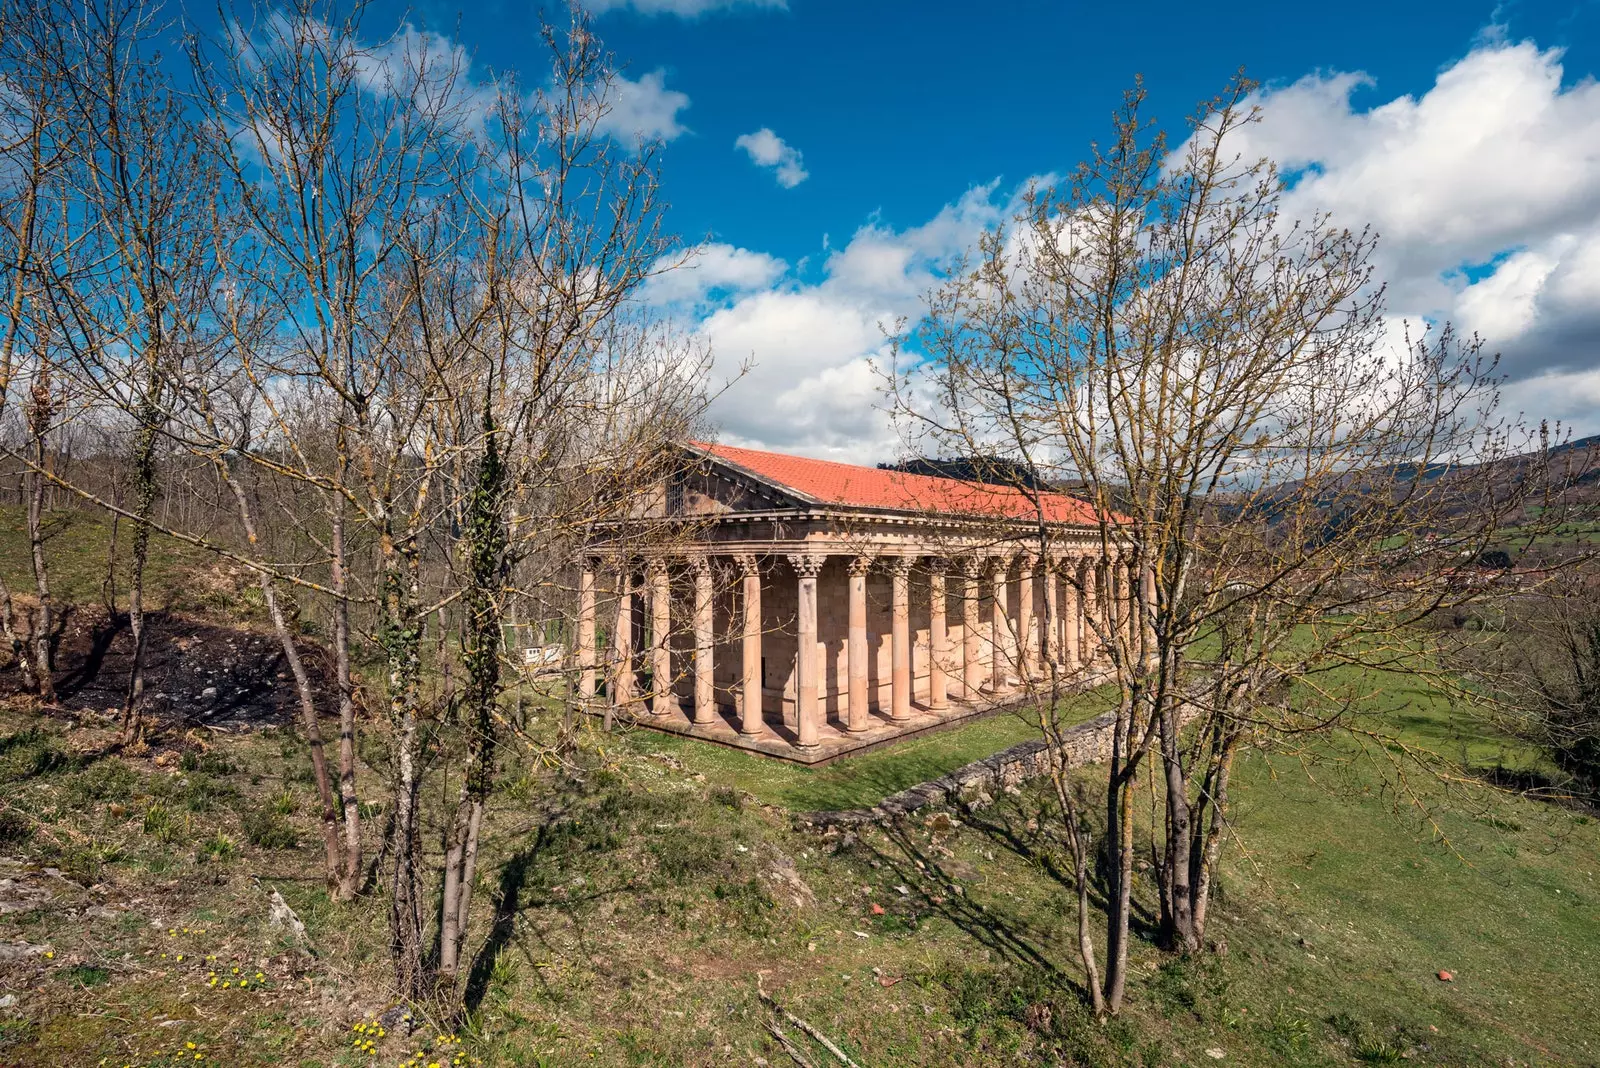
pixel 643 109
pixel 710 271
pixel 1485 191
pixel 767 149
pixel 812 386
pixel 682 8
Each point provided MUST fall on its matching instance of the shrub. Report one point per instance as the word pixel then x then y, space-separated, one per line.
pixel 269 829
pixel 206 763
pixel 218 847
pixel 105 780
pixel 158 823
pixel 14 828
pixel 30 753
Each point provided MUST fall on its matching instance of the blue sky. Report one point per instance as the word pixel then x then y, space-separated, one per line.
pixel 832 154
pixel 898 107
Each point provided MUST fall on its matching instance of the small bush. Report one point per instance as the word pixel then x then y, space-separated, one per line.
pixel 206 763
pixel 750 904
pixel 159 824
pixel 14 828
pixel 681 853
pixel 269 829
pixel 727 797
pixel 218 847
pixel 87 975
pixel 107 780
pixel 30 753
pixel 85 864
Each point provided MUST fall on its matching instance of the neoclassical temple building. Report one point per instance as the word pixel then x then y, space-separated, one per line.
pixel 808 609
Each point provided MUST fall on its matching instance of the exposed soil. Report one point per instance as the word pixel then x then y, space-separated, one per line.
pixel 197 674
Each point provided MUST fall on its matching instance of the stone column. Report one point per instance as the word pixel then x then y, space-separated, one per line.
pixel 705 681
pixel 586 679
pixel 900 701
pixel 1071 619
pixel 808 711
pixel 1089 575
pixel 938 640
pixel 971 640
pixel 622 643
pixel 750 721
pixel 1050 630
pixel 856 716
pixel 1027 664
pixel 1000 658
pixel 665 698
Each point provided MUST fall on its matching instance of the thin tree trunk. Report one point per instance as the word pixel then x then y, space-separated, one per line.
pixel 8 624
pixel 40 415
pixel 144 487
pixel 1080 871
pixel 401 638
pixel 1178 888
pixel 481 641
pixel 349 877
pixel 302 686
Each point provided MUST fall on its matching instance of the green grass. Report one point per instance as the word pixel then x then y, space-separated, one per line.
pixel 853 782
pixel 630 905
pixel 75 546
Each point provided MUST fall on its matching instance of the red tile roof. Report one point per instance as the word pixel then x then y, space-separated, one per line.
pixel 871 487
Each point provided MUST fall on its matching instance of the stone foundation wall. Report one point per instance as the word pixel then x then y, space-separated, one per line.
pixel 1087 743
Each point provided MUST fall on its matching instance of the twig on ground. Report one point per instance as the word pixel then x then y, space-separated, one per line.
pixel 788 1046
pixel 802 1025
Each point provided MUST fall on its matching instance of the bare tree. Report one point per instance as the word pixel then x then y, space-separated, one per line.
pixel 1215 378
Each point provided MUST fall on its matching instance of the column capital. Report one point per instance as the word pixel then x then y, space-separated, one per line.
pixel 655 566
pixel 936 565
pixel 1027 560
pixel 807 565
pixel 749 564
pixel 898 565
pixel 860 565
pixel 700 564
pixel 971 566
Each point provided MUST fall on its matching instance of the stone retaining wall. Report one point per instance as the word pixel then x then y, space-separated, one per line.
pixel 1087 743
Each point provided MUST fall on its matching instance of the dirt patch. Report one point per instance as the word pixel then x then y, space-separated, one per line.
pixel 197 674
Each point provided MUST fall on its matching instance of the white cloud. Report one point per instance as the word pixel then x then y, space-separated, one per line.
pixel 1485 192
pixel 682 8
pixel 645 109
pixel 811 387
pixel 709 271
pixel 767 149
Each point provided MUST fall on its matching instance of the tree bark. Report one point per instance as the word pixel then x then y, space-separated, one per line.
pixel 350 875
pixel 144 488
pixel 39 416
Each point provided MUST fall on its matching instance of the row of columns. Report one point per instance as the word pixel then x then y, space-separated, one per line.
pixel 1070 647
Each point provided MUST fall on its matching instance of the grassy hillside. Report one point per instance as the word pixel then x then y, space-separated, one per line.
pixel 637 893
pixel 634 903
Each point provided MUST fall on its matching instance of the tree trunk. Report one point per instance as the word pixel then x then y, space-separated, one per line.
pixel 39 416
pixel 401 638
pixel 351 874
pixel 1080 871
pixel 1177 911
pixel 485 544
pixel 144 488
